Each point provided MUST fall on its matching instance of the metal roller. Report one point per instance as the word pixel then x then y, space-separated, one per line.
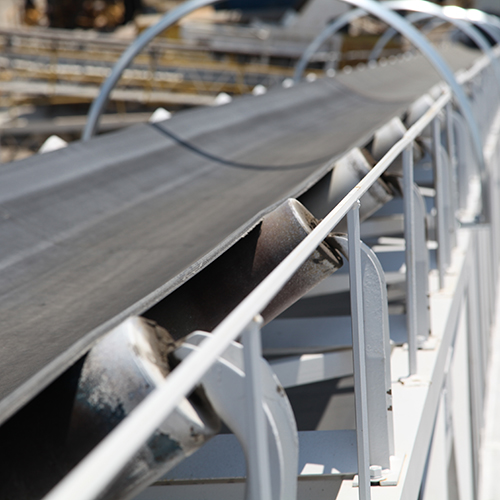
pixel 348 171
pixel 417 110
pixel 383 140
pixel 202 302
pixel 117 374
pixel 58 429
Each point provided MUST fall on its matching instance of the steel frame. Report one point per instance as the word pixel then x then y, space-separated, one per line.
pixel 422 379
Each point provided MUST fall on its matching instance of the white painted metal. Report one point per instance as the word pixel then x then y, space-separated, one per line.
pixel 411 264
pixel 226 386
pixel 376 349
pixel 259 472
pixel 439 181
pixel 358 353
pixel 293 371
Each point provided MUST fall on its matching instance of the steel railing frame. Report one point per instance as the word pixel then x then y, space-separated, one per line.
pixel 390 33
pixel 422 10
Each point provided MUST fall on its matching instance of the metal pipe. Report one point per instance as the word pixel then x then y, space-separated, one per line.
pixel 482 21
pixel 391 32
pixel 327 32
pixel 440 202
pixel 461 22
pixel 127 57
pixel 412 34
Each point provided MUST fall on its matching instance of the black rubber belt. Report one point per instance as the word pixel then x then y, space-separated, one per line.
pixel 98 231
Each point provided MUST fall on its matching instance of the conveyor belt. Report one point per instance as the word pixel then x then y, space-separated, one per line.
pixel 101 230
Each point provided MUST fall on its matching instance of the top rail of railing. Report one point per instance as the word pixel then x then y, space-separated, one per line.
pixel 477 68
pixel 91 477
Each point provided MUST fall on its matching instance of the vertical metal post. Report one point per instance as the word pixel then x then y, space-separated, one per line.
pixel 440 193
pixel 258 468
pixel 477 365
pixel 410 254
pixel 448 211
pixel 452 155
pixel 358 352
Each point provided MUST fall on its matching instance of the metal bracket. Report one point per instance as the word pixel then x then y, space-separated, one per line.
pixel 377 355
pixel 224 385
pixel 385 477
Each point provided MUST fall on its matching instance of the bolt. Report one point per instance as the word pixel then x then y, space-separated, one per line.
pixel 375 473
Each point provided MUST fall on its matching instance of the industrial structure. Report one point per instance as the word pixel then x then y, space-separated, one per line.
pixel 289 295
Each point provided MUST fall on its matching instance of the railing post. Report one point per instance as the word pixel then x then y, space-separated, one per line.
pixel 410 254
pixel 440 202
pixel 258 468
pixel 452 155
pixel 358 352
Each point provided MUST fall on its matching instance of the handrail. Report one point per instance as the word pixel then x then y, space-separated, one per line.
pixel 104 463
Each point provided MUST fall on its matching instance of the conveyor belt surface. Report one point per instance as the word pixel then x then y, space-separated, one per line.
pixel 100 230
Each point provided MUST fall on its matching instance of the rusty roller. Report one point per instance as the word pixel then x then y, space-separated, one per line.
pixel 117 374
pixel 67 420
pixel 204 301
pixel 130 361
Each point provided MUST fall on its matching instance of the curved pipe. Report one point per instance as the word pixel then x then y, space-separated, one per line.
pixel 391 32
pixel 490 26
pixel 327 32
pixel 126 58
pixel 460 21
pixel 451 14
pixel 413 35
pixel 463 24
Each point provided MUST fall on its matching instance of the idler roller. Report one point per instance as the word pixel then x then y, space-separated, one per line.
pixel 55 431
pixel 117 374
pixel 281 231
pixel 207 298
pixel 384 139
pixel 346 173
pixel 67 420
pixel 417 110
pixel 130 361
